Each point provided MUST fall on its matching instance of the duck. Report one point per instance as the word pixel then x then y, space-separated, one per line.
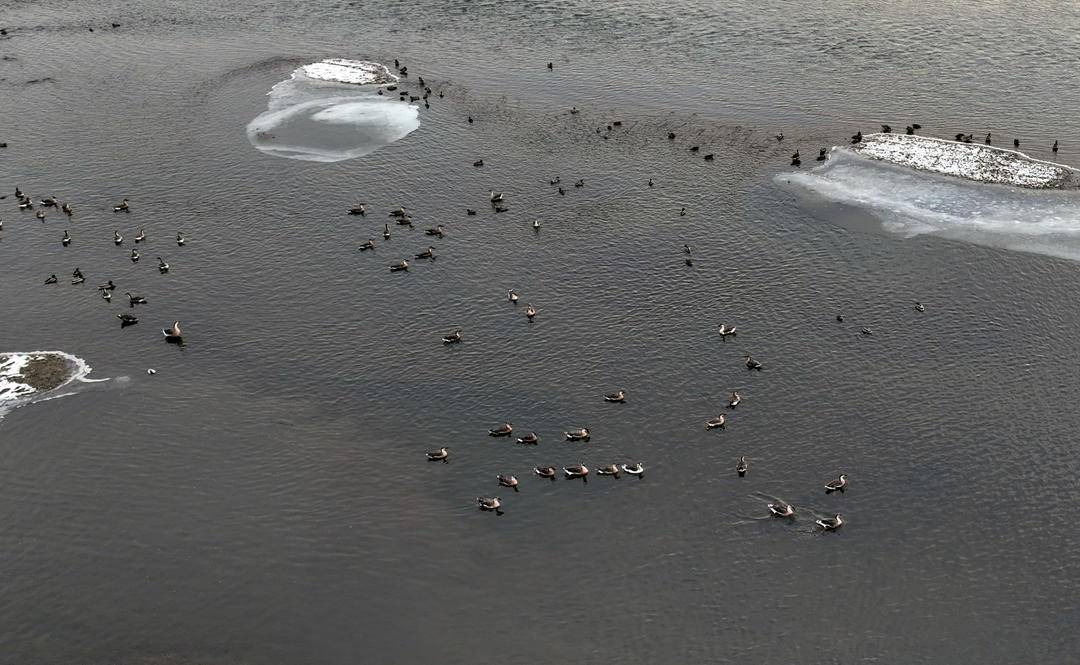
pixel 741 466
pixel 370 244
pixel 781 508
pixel 710 157
pixel 717 422
pixel 752 364
pixel 580 183
pixel 838 485
pixel 545 472
pixel 581 434
pixel 506 429
pixel 134 299
pixel 574 110
pixel 839 318
pixel 562 192
pixel 452 338
pixel 127 319
pixel 671 136
pixel 635 469
pixel 18 192
pixel 795 161
pixel 919 307
pixel 437 231
pixel 530 312
pixel 556 180
pixel 51 279
pixel 117 238
pixel 779 137
pixel 530 439
pixel 107 286
pixel 66 240
pixel 162 266
pixel 987 138
pixel 885 129
pixel 470 120
pixel 357 209
pixel 141 236
pixel 122 206
pixel 490 504
pixel 822 154
pixel 77 272
pixel 404 221
pixel 400 266
pixel 867 331
pixel 478 163
pixel 577 471
pixel 650 182
pixel 727 332
pixel 470 212
pixel 512 296
pixel 440 455
pixel 399 212
pixel 619 397
pixel 909 130
pixel 688 261
pixel 536 225
pixel 694 148
pixel 687 249
pixel 26 204
pixel 508 481
pixel 551 65
pixel 830 523
pixel 173 333
pixel 40 214
pixel 608 470
pixel 682 212
pixel 857 138
pixel 734 400
pixel 180 240
pixel 106 296
pixel 134 255
pixel 78 280
pixel 428 253
pixel 386 232
pixel 1016 143
pixel 495 197
pixel 1054 147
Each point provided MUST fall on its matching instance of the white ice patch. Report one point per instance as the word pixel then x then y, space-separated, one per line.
pixel 329 111
pixel 910 202
pixel 14 393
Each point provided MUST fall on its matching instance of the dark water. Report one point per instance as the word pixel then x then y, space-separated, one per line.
pixel 264 499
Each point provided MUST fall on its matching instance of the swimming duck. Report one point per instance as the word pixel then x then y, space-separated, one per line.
pixel 1054 147
pixel 106 295
pixel 867 331
pixel 688 261
pixel 573 110
pixel 580 183
pixel 710 157
pixel 107 286
pixel 1016 143
pixel 885 129
pixel 440 455
pixel 682 212
pixel 857 138
pixel 490 504
pixel 687 249
pixel 452 338
pixel 180 240
pixel 577 471
pixel 556 180
pixel 506 429
pixel 40 214
pixel 530 439
pixel 470 119
pixel 78 280
pixel 66 240
pixel 919 307
pixel 752 364
pixel 909 130
pixel 716 422
pixel 795 161
pixel 609 470
pixel 478 163
pixel 117 238
pixel 134 256
pixel 530 312
pixel 726 332
pixel 428 253
pixel 987 138
pixel 741 466
pixel 839 318
pixel 581 434
pixel 173 333
pixel 405 221
pixel 830 523
pixel 122 206
pixel 18 192
pixel 734 400
pixel 399 212
pixel 400 266
pixel 134 299
pixel 671 136
pixel 49 201
pixel 496 198
pixel 26 204
pixel 635 469
pixel 370 244
pixel 141 236
pixel 781 508
pixel 162 266
pixel 779 137
pixel 508 481
pixel 821 155
pixel 619 396
pixel 536 225
pixel 551 65
pixel 470 212
pixel 77 272
pixel 694 148
pixel 386 232
pixel 127 319
pixel 357 209
pixel 650 182
pixel 512 296
pixel 51 279
pixel 545 472
pixel 562 192
pixel 838 485
pixel 437 231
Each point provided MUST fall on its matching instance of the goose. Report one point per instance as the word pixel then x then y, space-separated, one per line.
pixel 440 455
pixel 26 205
pixel 134 299
pixel 512 296
pixel 577 471
pixel 650 182
pixel 838 485
pixel 867 331
pixel 134 255
pixel 49 201
pixel 508 481
pixel 735 399
pixel 386 232
pixel 107 295
pixel 452 338
pixel 694 148
pixel 839 318
pixel 609 470
pixel 470 120
pixel 580 183
pixel 66 240
pixel 530 312
pixel 710 157
pixel 573 110
pixel 671 136
pixel 551 65
pixel 51 279
pixel 781 508
pixel 619 396
pixel 795 161
pixel 478 163
pixel 117 238
pixel 490 504
pixel 40 214
pixel 536 225
pixel 437 231
pixel 1016 143
pixel 562 192
pixel 399 212
pixel 180 240
pixel 780 136
pixel 77 272
pixel 530 439
pixel 127 319
pixel 909 130
pixel 496 198
pixel 581 434
pixel 428 253
pixel 1054 147
pixel 919 307
pixel 173 333
pixel 725 331
pixel 987 138
pixel 162 266
pixel 857 138
pixel 405 221
pixel 400 266
pixel 506 429
pixel 357 209
pixel 717 422
pixel 741 466
pixel 687 249
pixel 556 180
pixel 470 212
pixel 107 286
pixel 141 236
pixel 545 472
pixel 78 280
pixel 752 364
pixel 830 523
pixel 821 155
pixel 635 469
pixel 885 129
pixel 370 244
pixel 122 206
pixel 682 212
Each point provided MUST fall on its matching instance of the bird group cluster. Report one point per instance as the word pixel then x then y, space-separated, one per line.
pixel 27 204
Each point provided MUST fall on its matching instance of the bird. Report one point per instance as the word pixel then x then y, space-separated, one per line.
pixel 470 120
pixel 470 212
pixel 399 212
pixel 909 130
pixel 506 429
pixel 77 272
pixel 512 296
pixel 399 266
pixel 405 221
pixel 574 110
pixel 821 156
pixel 710 157
pixel 551 65
pixel 717 422
pixel 127 319
pixel 577 471
pixel 117 238
pixel 141 236
pixel 496 197
pixel 1016 143
pixel 867 331
pixel 66 240
pixel 840 318
pixel 134 255
pixel 536 225
pixel 51 279
pixel 727 332
pixel 107 286
pixel 40 214
pixel 530 312
pixel 151 371
pixel 478 162
pixel 545 472
pixel 857 138
pixel 78 280
pixel 508 481
pixel 428 253
pixel 608 470
pixel 795 161
pixel 452 338
pixel 687 249
pixel 581 434
pixel 490 504
pixel 437 231
pixel 370 244
pixel 650 182
pixel 682 212
pixel 830 523
pixel 173 334
pixel 386 232
pixel 180 240
pixel 107 295
pixel 885 129
pixel 562 192
pixel 734 400
pixel 1054 147
pixel 780 136
pixel 618 396
pixel 694 148
pixel 134 299
pixel 122 206
pixel 635 469
pixel 988 138
pixel 357 209
pixel 741 466
pixel 162 266
pixel 752 364
pixel 671 136
pixel 26 204
pixel 919 307
pixel 530 439
pixel 440 455
pixel 838 485
pixel 556 180
pixel 781 508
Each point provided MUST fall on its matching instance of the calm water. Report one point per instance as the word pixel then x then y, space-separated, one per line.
pixel 263 499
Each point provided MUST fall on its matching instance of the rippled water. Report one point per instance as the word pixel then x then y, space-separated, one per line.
pixel 263 497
